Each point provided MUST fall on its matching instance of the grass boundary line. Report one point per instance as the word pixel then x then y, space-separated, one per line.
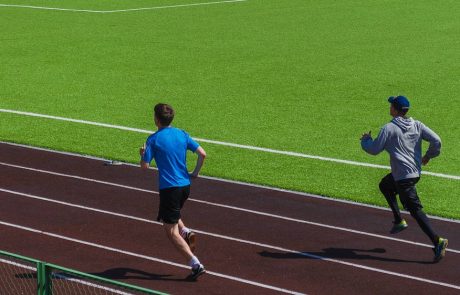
pixel 222 143
pixel 120 10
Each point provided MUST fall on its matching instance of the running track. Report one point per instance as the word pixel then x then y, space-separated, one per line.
pixel 253 240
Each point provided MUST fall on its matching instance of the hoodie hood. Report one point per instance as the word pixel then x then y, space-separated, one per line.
pixel 403 123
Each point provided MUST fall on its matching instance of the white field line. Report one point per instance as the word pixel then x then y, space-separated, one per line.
pixel 305 254
pixel 307 195
pixel 120 10
pixel 18 264
pixel 233 278
pixel 210 204
pixel 80 178
pixel 228 144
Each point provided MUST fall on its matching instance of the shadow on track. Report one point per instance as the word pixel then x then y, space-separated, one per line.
pixel 119 273
pixel 122 273
pixel 339 253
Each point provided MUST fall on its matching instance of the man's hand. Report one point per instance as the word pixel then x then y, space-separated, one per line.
pixel 143 164
pixel 142 150
pixel 199 162
pixel 366 136
pixel 193 175
pixel 425 160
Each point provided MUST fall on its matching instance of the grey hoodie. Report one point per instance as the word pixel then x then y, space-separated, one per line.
pixel 402 139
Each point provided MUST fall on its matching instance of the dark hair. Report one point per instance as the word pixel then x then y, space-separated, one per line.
pixel 401 111
pixel 164 113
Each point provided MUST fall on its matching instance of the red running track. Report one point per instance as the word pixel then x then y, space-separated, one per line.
pixel 79 213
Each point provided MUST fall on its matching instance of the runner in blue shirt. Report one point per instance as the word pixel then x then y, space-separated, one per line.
pixel 168 146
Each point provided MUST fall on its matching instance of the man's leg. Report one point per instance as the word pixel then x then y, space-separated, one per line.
pixel 182 228
pixel 409 198
pixel 171 202
pixel 172 232
pixel 388 188
pixel 188 235
pixel 411 201
pixel 181 225
pixel 424 223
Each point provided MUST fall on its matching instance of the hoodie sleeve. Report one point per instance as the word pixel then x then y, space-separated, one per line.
pixel 376 146
pixel 435 141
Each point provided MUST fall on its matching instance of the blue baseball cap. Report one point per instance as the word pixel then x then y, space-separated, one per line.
pixel 401 103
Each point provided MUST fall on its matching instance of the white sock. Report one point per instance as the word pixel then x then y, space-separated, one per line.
pixel 194 262
pixel 184 231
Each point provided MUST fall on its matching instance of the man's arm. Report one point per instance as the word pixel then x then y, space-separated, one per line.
pixel 199 162
pixel 376 146
pixel 142 164
pixel 435 144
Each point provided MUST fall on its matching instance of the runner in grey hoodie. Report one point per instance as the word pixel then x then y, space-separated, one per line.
pixel 402 139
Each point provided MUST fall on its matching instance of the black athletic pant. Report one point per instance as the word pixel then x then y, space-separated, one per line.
pixel 407 192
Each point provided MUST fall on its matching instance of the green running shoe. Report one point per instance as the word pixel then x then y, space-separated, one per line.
pixel 440 249
pixel 397 227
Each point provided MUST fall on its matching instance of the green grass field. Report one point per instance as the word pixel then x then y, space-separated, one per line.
pixel 300 75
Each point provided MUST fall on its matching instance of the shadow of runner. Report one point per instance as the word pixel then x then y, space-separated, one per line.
pixel 113 274
pixel 122 273
pixel 119 273
pixel 339 253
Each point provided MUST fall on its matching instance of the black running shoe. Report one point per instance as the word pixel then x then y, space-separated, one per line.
pixel 190 239
pixel 196 272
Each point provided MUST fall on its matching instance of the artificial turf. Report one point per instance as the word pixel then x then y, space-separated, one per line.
pixel 302 76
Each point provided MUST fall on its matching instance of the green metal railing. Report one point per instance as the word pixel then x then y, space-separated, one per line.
pixel 49 276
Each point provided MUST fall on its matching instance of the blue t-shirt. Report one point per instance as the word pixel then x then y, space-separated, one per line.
pixel 168 146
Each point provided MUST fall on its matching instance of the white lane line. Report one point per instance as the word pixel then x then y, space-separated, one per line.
pixel 233 278
pixel 120 10
pixel 18 264
pixel 321 225
pixel 308 195
pixel 305 254
pixel 79 178
pixel 228 144
pixel 208 233
pixel 227 207
pixel 199 231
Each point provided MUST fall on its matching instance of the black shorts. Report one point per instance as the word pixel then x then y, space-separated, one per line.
pixel 171 202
